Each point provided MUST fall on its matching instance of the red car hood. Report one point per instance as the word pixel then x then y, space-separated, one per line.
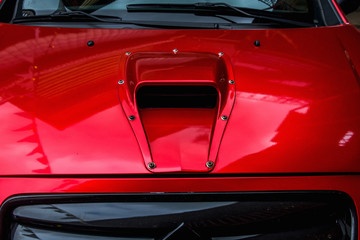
pixel 294 107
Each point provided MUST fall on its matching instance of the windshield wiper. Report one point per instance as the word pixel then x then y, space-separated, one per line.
pixel 209 8
pixel 73 15
pixel 63 16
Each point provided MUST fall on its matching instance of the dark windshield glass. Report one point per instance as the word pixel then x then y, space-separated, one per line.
pixel 48 6
pixel 273 13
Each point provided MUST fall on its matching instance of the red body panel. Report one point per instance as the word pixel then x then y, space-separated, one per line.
pixel 296 107
pixel 190 136
pixel 295 110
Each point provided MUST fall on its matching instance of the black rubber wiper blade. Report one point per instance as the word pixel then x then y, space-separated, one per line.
pixel 169 7
pixel 186 8
pixel 210 8
pixel 61 14
pixel 148 24
pixel 258 16
pixel 178 25
pixel 147 7
pixel 69 16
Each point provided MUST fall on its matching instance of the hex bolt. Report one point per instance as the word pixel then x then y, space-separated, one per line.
pixel 257 43
pixel 90 43
pixel 221 54
pixel 224 117
pixel 175 51
pixel 151 165
pixel 231 81
pixel 131 117
pixel 209 164
pixel 128 53
pixel 121 82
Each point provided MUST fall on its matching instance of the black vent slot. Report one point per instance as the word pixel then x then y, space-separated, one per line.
pixel 177 97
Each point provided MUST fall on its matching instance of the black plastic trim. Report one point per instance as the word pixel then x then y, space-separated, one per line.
pixel 11 203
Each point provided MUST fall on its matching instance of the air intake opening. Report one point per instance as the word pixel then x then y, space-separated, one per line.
pixel 310 215
pixel 156 96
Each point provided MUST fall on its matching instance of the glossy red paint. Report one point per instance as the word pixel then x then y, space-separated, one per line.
pixel 296 106
pixel 181 130
pixel 187 134
pixel 13 186
pixel 294 111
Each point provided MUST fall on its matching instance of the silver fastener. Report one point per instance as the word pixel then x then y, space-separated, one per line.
pixel 128 53
pixel 221 54
pixel 231 81
pixel 121 82
pixel 175 51
pixel 209 164
pixel 224 117
pixel 151 165
pixel 131 117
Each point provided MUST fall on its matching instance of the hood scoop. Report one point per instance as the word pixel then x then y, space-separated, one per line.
pixel 178 106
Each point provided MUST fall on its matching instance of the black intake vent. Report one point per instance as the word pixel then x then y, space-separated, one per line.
pixel 253 216
pixel 158 96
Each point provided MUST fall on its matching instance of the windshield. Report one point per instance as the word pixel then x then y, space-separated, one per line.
pixel 49 6
pixel 274 13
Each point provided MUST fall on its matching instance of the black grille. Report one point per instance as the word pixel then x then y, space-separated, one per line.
pixel 305 215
